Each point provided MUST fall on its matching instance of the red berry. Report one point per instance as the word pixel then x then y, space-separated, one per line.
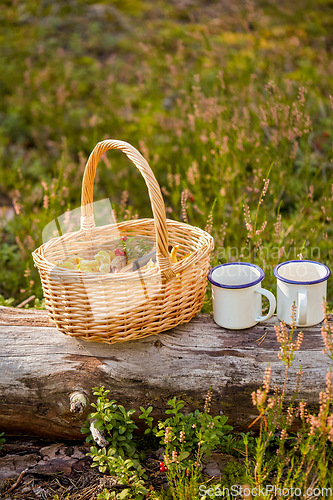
pixel 119 252
pixel 161 464
pixel 124 238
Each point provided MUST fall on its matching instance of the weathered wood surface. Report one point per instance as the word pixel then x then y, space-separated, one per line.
pixel 40 367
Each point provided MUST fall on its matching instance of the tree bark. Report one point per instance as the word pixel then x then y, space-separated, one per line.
pixel 46 378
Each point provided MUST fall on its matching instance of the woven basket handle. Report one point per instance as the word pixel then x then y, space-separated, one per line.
pixel 155 195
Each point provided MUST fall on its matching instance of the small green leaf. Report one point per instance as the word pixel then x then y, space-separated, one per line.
pixel 142 490
pixel 123 495
pixel 183 455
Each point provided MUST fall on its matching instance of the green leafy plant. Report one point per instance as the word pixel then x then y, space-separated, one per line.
pixel 128 471
pixel 39 304
pixel 145 415
pixel 186 434
pixel 114 422
pixel 106 459
pixel 120 458
pixel 2 439
pixel 233 444
pixel 186 438
pixel 233 473
pixel 6 302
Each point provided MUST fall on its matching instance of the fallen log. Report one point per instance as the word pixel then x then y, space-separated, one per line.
pixel 46 378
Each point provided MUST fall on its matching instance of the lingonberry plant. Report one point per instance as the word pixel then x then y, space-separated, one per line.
pixel 114 425
pixel 191 435
pixel 186 439
pixel 114 422
pixel 129 474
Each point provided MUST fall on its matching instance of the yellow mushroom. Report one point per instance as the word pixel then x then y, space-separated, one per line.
pixel 103 257
pixel 185 256
pixel 104 268
pixel 150 264
pixel 173 254
pixel 67 265
pixel 90 266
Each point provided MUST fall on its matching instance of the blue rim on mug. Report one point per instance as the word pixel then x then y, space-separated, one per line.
pixel 293 282
pixel 246 285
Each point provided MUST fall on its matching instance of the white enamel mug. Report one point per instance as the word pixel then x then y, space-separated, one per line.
pixel 237 293
pixel 303 283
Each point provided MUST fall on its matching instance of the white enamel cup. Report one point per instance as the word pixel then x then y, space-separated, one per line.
pixel 237 293
pixel 303 283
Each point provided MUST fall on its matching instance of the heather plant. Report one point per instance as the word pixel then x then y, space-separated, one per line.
pixel 327 334
pixel 213 96
pixel 184 482
pixel 298 461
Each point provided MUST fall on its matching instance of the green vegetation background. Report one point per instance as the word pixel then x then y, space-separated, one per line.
pixel 218 96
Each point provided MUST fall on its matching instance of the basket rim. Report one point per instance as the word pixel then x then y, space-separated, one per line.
pixel 181 266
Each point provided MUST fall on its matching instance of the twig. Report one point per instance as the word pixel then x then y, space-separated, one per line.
pixel 240 451
pixel 26 301
pixel 255 420
pixel 262 338
pixel 19 479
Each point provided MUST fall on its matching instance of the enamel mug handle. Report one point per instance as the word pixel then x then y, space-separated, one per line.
pixel 272 304
pixel 302 305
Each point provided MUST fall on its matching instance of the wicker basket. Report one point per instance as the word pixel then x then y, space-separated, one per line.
pixel 126 305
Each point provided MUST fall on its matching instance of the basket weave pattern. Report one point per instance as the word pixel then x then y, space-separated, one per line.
pixel 126 305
